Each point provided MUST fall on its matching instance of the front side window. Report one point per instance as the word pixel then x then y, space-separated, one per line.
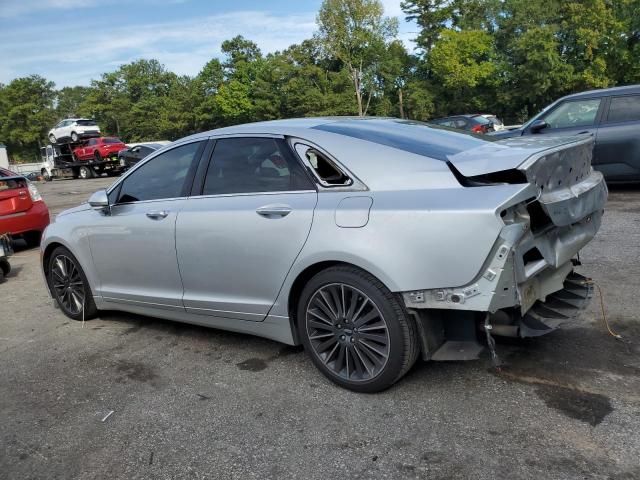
pixel 253 165
pixel 162 177
pixel 578 113
pixel 624 109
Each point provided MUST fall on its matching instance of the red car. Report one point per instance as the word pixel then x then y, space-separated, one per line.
pixel 23 213
pixel 99 148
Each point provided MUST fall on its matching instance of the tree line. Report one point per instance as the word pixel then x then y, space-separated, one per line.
pixel 507 57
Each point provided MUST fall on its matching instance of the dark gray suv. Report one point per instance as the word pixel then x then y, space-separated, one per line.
pixel 611 115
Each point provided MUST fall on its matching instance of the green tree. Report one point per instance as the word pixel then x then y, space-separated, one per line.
pixel 69 101
pixel 356 32
pixel 26 114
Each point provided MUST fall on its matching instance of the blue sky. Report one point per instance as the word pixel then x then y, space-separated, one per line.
pixel 74 41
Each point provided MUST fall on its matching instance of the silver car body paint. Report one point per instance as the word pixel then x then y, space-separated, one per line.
pixel 405 218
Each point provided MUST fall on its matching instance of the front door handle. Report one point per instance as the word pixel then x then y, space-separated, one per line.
pixel 274 211
pixel 157 214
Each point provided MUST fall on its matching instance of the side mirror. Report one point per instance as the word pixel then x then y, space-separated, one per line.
pixel 99 200
pixel 538 125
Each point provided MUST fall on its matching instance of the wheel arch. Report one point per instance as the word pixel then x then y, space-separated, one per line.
pixel 303 278
pixel 46 256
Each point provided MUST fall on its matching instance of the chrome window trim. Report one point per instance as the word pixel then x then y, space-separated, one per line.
pixel 155 200
pixel 251 194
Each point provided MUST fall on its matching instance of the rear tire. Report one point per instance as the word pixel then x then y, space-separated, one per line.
pixel 74 137
pixel 97 156
pixel 5 269
pixel 85 172
pixel 69 286
pixel 52 139
pixel 355 330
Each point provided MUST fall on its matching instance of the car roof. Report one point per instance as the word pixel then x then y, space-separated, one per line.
pixel 604 92
pixel 465 115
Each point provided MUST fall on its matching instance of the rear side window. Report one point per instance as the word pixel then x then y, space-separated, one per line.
pixel 254 165
pixel 162 177
pixel 324 169
pixel 624 109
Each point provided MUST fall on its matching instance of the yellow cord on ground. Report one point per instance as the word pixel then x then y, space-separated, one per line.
pixel 604 316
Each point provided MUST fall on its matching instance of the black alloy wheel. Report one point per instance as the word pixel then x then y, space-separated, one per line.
pixel 355 330
pixel 69 286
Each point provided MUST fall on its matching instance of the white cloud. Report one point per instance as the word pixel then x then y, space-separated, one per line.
pixel 184 46
pixel 70 57
pixel 14 8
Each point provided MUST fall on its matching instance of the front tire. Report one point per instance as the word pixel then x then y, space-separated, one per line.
pixel 69 286
pixel 355 330
pixel 52 139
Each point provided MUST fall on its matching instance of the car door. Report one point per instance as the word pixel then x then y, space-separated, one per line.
pixel 617 150
pixel 240 232
pixel 66 129
pixel 85 149
pixel 133 246
pixel 572 117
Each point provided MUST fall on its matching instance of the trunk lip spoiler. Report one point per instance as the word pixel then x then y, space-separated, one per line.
pixel 512 154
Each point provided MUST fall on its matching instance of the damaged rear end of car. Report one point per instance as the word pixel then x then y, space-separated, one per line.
pixel 528 285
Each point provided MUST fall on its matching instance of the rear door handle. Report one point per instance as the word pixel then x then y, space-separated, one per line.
pixel 157 214
pixel 274 211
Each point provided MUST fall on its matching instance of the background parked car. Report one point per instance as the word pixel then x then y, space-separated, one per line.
pixel 497 123
pixel 475 123
pixel 74 130
pixel 611 115
pixel 99 148
pixel 23 213
pixel 132 155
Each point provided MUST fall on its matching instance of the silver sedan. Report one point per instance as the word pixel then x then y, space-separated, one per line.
pixel 372 242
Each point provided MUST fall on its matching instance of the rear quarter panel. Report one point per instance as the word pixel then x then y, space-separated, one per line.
pixel 414 239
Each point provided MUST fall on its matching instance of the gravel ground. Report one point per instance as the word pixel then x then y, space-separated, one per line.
pixel 190 402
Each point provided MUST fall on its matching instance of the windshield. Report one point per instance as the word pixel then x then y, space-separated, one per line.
pixel 409 136
pixel 112 140
pixel 86 123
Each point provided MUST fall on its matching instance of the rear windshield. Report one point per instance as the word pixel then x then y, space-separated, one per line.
pixel 86 123
pixel 112 140
pixel 481 120
pixel 409 136
pixel 12 183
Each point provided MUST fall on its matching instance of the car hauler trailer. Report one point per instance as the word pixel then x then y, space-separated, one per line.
pixel 58 161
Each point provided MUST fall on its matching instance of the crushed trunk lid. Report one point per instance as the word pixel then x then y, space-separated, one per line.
pixel 560 167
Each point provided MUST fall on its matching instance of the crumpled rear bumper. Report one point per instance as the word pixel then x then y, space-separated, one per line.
pixel 531 259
